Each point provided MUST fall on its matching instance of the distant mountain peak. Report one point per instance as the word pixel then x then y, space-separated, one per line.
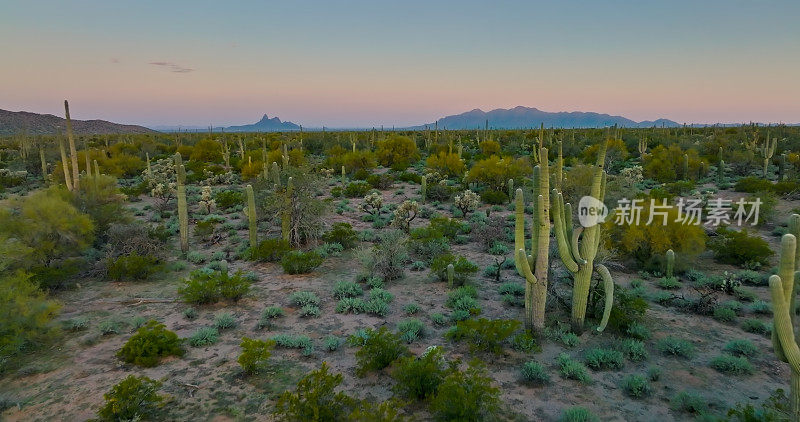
pixel 266 124
pixel 521 117
pixel 13 122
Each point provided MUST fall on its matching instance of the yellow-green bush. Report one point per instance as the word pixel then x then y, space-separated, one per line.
pixel 494 171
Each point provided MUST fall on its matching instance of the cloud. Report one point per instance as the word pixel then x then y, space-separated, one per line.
pixel 172 67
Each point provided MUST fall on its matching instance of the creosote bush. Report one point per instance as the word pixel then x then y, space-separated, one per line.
pixel 419 377
pixel 466 395
pixel 381 347
pixel 207 286
pixel 255 354
pixel 298 262
pixel 134 398
pixel 484 335
pixel 270 250
pixel 150 343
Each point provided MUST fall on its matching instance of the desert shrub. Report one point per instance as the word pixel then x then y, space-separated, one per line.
pixel 224 321
pixel 753 278
pixel 25 315
pixel 572 369
pixel 332 343
pixel 428 243
pixel 315 398
pixel 204 336
pixel 351 305
pixel 396 152
pixel 412 309
pixel 440 192
pixel 603 359
pixel 150 343
pixel 463 268
pixel 204 286
pixel 380 181
pixel 741 347
pixel 420 377
pixel 410 329
pixel 229 198
pixel 268 316
pixel 665 164
pixel 463 299
pixel 724 314
pixel 300 208
pixel 484 335
pixel 755 326
pixel 494 197
pixel 673 346
pixel 753 184
pixel 669 283
pixel 255 354
pixel 578 414
pixel 298 262
pixel 132 267
pixel 511 288
pixel 636 386
pixel 761 307
pixel 689 402
pixel 329 249
pixel 738 248
pixel 446 163
pixel 303 298
pixel 344 289
pixel 733 365
pixel 525 342
pixel 388 257
pixel 628 309
pixel 533 373
pixel 289 341
pixel 380 349
pixel 357 189
pixel 310 311
pixel 569 340
pixel 343 234
pixel 129 239
pixel 466 395
pixel 634 350
pixel 270 250
pixel 494 171
pixel 449 227
pixel 132 399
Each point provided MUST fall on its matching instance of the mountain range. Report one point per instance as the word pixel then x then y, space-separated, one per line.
pixel 527 117
pixel 13 122
pixel 265 125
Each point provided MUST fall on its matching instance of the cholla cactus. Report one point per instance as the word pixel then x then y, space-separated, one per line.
pixel 372 204
pixel 729 282
pixel 467 201
pixel 634 174
pixel 207 203
pixel 404 214
pixel 161 179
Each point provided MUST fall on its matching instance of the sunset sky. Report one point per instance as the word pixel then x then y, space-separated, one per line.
pixel 367 63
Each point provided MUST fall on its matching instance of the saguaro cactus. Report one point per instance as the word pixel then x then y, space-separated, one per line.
pixel 286 213
pixel 670 263
pixel 423 191
pixel 642 146
pixel 72 151
pixel 64 163
pixel 510 189
pixel 183 209
pixel 451 273
pixel 534 266
pixel 767 151
pixel 43 161
pixel 782 167
pixel 685 167
pixel 783 295
pixel 578 249
pixel 251 217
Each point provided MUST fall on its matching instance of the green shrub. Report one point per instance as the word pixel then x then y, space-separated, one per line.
pixel 132 267
pixel 739 248
pixel 315 398
pixel 427 243
pixel 466 395
pixel 410 329
pixel 25 315
pixel 462 266
pixel 354 305
pixel 724 314
pixel 755 326
pixel 654 373
pixel 331 343
pixel 357 189
pixel 525 342
pixel 533 373
pixel 578 414
pixel 298 262
pixel 346 289
pixel 268 316
pixel 636 386
pixel 343 234
pixel 511 288
pixel 753 184
pixel 303 298
pixel 484 335
pixel 228 198
pixel 494 197
pixel 310 311
pixel 420 377
pixel 190 313
pixel 255 354
pixel 204 336
pixel 734 365
pixel 572 369
pixel 270 250
pixel 411 309
pixel 761 307
pixel 150 343
pixel 224 321
pixel 205 286
pixel 689 403
pixel 132 399
pixel 673 346
pixel 289 341
pixel 741 347
pixel 603 359
pixel 634 350
pixel 380 349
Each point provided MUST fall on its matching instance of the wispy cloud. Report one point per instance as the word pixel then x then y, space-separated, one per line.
pixel 172 67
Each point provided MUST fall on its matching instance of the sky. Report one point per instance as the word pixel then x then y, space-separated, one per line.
pixel 398 63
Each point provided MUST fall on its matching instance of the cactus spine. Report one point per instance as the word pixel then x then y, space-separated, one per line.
pixel 670 263
pixel 534 266
pixel 251 217
pixel 767 151
pixel 72 151
pixel 578 249
pixel 783 295
pixel 424 189
pixel 451 272
pixel 183 209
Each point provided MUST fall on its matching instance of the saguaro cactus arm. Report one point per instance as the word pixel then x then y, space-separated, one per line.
pixel 608 287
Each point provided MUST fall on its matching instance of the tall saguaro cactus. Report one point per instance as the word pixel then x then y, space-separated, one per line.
pixel 783 294
pixel 251 217
pixel 642 147
pixel 64 163
pixel 423 190
pixel 183 209
pixel 578 249
pixel 534 266
pixel 286 212
pixel 72 151
pixel 670 263
pixel 720 170
pixel 767 151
